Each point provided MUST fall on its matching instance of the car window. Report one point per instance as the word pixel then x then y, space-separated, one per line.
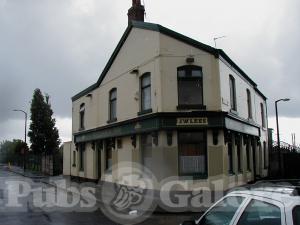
pixel 223 212
pixel 296 215
pixel 260 213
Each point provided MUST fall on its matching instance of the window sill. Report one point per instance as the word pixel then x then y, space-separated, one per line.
pixel 112 120
pixel 81 129
pixel 143 112
pixel 234 112
pixel 193 176
pixel 184 107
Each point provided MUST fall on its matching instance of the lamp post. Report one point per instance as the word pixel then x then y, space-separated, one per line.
pixel 25 134
pixel 277 124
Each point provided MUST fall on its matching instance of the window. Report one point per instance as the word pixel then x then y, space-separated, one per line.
pixel 223 212
pixel 192 153
pixel 113 105
pixel 190 87
pixel 249 104
pixel 230 157
pixel 146 92
pixel 239 155
pixel 146 149
pixel 232 93
pixel 258 212
pixel 262 112
pixel 296 215
pixel 81 156
pixel 265 155
pixel 74 158
pixel 108 153
pixel 81 116
pixel 248 154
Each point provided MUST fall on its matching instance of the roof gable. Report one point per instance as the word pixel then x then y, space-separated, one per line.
pixel 173 34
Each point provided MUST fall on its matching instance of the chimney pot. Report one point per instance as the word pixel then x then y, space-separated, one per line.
pixel 136 2
pixel 136 12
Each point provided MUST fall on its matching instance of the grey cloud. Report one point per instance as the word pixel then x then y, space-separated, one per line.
pixel 54 46
pixel 62 46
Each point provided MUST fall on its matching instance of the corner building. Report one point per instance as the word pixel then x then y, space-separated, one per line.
pixel 175 105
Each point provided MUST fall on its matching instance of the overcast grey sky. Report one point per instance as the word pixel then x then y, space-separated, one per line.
pixel 61 47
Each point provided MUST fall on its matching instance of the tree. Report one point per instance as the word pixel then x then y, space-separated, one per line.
pixel 43 134
pixel 13 151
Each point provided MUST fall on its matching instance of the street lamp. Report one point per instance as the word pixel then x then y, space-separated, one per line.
pixel 277 124
pixel 19 110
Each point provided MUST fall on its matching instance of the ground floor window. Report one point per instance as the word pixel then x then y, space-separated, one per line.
pixel 146 150
pixel 239 154
pixel 192 153
pixel 108 154
pixel 74 158
pixel 81 157
pixel 248 155
pixel 230 157
pixel 265 155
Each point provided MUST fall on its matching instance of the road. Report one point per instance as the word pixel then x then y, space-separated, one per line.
pixel 42 217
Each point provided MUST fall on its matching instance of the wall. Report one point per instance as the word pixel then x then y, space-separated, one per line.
pixel 67 158
pixel 241 94
pixel 140 51
pixel 173 54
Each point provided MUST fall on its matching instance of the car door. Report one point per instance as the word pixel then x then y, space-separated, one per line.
pixel 261 211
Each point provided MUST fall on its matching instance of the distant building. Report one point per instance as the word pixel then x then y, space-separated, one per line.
pixel 173 104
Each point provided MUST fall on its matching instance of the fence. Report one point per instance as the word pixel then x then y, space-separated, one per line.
pixel 48 164
pixel 284 161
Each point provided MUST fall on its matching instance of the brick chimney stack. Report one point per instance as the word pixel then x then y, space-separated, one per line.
pixel 136 12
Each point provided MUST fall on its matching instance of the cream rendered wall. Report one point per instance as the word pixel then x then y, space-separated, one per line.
pixel 241 94
pixel 165 158
pixel 173 54
pixel 91 112
pixel 67 150
pixel 90 162
pixel 140 51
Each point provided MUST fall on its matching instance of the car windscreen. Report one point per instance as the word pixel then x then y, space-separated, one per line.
pixel 223 212
pixel 296 215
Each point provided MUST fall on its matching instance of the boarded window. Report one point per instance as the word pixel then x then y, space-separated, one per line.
pixel 192 153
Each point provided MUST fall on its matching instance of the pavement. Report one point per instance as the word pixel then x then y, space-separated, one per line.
pixel 105 197
pixel 35 215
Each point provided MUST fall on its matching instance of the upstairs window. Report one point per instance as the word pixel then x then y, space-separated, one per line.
pixel 232 93
pixel 113 105
pixel 262 112
pixel 81 116
pixel 190 87
pixel 146 92
pixel 249 104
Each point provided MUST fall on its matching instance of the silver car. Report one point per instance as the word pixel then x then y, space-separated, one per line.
pixel 262 205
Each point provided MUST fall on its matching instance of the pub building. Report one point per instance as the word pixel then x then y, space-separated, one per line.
pixel 173 104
